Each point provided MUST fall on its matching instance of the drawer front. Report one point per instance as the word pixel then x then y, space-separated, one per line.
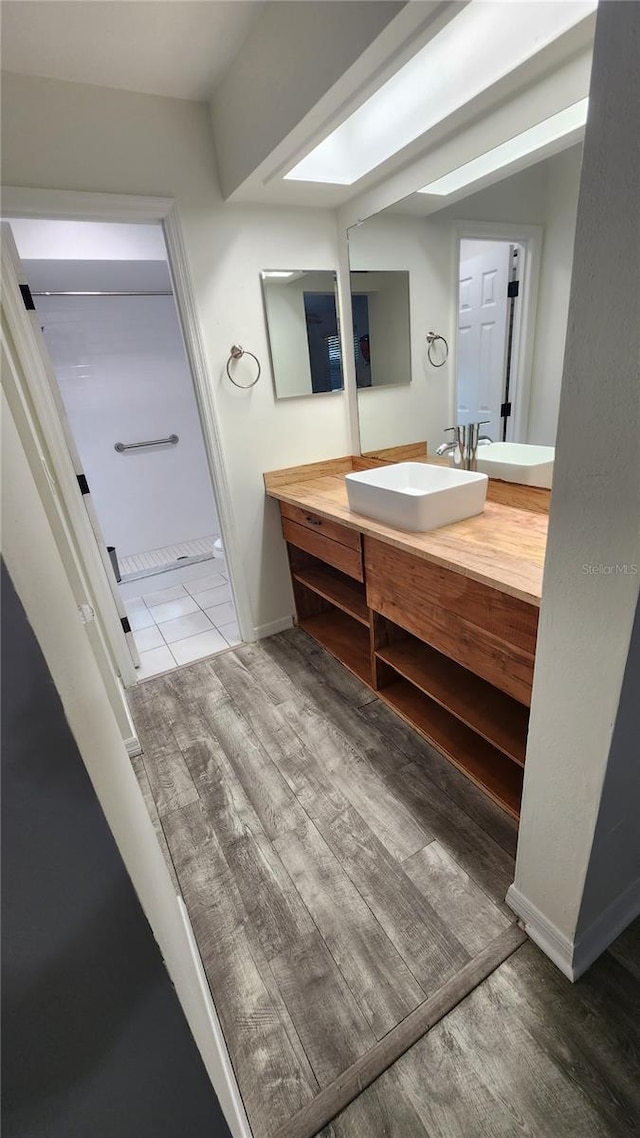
pixel 332 552
pixel 488 632
pixel 333 530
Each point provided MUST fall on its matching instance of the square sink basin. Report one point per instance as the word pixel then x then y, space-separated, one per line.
pixel 518 462
pixel 415 496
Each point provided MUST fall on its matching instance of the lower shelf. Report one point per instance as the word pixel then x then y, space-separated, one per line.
pixel 341 591
pixel 501 720
pixel 344 637
pixel 487 767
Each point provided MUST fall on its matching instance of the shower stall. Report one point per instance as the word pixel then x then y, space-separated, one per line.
pixel 113 335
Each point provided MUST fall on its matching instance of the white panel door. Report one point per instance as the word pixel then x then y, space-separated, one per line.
pixel 482 332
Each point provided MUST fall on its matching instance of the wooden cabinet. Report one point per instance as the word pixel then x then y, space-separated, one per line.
pixel 453 657
pixel 326 540
pixel 485 630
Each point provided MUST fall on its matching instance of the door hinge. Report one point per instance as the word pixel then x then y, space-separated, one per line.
pixel 27 298
pixel 505 410
pixel 126 627
pixel 83 484
pixel 87 614
pixel 513 289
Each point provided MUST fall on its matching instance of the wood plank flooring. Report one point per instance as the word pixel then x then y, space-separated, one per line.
pixel 526 1053
pixel 337 871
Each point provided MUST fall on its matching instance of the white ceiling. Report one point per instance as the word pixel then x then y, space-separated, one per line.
pixel 178 48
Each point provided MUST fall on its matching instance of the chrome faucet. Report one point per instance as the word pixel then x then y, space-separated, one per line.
pixel 464 448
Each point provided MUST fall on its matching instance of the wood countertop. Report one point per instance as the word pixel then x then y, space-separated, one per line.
pixel 504 547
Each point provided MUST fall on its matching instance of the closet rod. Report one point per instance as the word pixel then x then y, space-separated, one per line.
pixel 52 292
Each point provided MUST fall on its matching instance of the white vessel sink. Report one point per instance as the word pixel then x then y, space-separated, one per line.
pixel 518 462
pixel 415 496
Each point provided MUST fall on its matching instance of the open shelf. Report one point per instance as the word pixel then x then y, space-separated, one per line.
pixel 487 767
pixel 498 718
pixel 334 586
pixel 344 637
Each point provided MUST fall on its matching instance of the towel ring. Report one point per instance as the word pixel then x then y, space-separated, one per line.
pixel 236 354
pixel 432 338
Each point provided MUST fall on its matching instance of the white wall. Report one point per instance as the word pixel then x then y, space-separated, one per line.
pixel 69 136
pixel 578 866
pixel 124 377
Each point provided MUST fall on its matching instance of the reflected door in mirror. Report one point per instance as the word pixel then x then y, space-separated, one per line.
pixel 483 326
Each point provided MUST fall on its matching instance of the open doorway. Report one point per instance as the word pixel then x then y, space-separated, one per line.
pixel 104 301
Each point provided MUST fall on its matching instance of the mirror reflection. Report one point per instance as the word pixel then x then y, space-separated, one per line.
pixel 491 274
pixel 303 331
pixel 488 287
pixel 381 328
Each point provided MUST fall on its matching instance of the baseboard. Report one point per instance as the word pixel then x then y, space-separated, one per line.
pixel 133 746
pixel 573 958
pixel 558 947
pixel 228 1095
pixel 591 943
pixel 280 625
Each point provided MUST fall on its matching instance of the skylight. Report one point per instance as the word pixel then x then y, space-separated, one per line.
pixel 483 43
pixel 537 137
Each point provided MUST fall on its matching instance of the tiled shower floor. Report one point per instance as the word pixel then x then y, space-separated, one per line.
pixel 181 616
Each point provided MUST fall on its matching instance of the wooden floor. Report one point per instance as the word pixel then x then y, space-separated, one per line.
pixel 525 1054
pixel 337 873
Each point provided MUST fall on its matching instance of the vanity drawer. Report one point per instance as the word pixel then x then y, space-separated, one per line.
pixel 333 530
pixel 487 631
pixel 315 542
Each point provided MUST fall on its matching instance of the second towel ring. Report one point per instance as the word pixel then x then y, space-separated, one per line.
pixel 432 338
pixel 236 354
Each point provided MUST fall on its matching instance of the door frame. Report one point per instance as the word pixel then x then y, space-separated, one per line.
pixel 71 205
pixel 530 238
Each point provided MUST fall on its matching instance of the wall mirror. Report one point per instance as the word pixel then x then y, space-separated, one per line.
pixel 303 330
pixel 381 327
pixel 491 274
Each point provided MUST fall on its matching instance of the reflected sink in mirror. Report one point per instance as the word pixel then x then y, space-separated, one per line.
pixel 418 497
pixel 518 462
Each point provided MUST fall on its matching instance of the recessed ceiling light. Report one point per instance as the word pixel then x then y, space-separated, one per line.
pixel 483 43
pixel 278 273
pixel 542 134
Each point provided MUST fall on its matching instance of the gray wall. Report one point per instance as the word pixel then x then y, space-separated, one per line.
pixel 616 845
pixel 94 1039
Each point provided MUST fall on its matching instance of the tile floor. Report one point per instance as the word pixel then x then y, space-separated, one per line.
pixel 180 616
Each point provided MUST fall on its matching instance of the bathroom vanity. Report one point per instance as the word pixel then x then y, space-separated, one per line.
pixel 441 625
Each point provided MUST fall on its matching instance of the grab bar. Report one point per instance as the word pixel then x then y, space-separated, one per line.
pixel 172 440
